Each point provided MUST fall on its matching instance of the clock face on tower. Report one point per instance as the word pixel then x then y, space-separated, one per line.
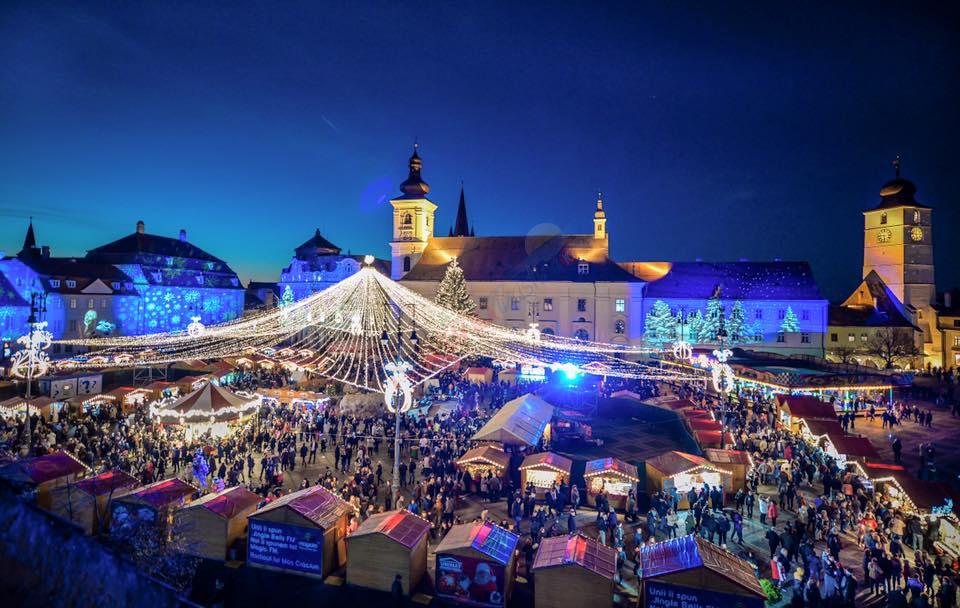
pixel 884 235
pixel 916 233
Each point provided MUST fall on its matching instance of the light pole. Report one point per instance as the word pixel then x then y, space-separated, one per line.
pixel 32 360
pixel 721 335
pixel 398 382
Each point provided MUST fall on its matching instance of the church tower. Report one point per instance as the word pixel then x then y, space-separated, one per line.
pixel 599 220
pixel 412 220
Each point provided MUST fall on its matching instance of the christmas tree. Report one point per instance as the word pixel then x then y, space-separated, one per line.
pixel 737 323
pixel 694 324
pixel 452 291
pixel 711 319
pixel 755 332
pixel 659 325
pixel 287 298
pixel 790 324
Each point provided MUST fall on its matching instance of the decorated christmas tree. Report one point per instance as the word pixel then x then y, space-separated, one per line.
pixel 754 332
pixel 452 291
pixel 737 323
pixel 287 298
pixel 694 324
pixel 659 325
pixel 790 324
pixel 711 319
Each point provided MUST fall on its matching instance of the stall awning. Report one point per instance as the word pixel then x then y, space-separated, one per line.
pixel 608 465
pixel 689 552
pixel 577 549
pixel 486 454
pixel 704 424
pixel 519 422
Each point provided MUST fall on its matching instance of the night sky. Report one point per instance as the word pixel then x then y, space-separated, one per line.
pixel 720 132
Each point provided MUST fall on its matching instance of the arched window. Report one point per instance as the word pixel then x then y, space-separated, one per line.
pixel 548 331
pixel 581 334
pixel 620 326
pixel 883 217
pixel 916 216
pixel 406 264
pixel 408 219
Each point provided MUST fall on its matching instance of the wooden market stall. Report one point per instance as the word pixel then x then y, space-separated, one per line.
pixel 573 572
pixel 479 375
pixel 154 503
pixel 612 476
pixel 680 404
pixel 387 544
pixel 45 474
pixel 475 565
pixel 161 389
pixel 684 472
pixel 523 421
pixel 129 398
pixel 315 518
pixel 704 424
pixel 738 462
pixel 712 439
pixel 791 409
pixel 87 502
pixel 699 570
pixel 484 459
pixel 829 435
pixel 211 525
pixel 544 470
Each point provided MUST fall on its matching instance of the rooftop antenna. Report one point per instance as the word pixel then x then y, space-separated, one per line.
pixel 896 166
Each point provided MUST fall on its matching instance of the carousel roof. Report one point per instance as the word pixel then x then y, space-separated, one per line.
pixel 208 400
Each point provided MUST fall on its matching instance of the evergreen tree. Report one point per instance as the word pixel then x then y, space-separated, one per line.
pixel 711 319
pixel 790 324
pixel 287 298
pixel 694 325
pixel 452 291
pixel 755 329
pixel 659 326
pixel 737 323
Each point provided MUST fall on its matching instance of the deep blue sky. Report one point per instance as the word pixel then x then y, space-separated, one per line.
pixel 714 130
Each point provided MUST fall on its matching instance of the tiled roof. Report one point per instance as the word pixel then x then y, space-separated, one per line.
pixel 518 258
pixel 82 271
pixel 228 503
pixel 316 503
pixel 489 539
pixel 401 526
pixel 107 482
pixel 576 549
pixel 547 458
pixel 161 493
pixel 689 552
pixel 871 304
pixel 141 243
pixel 737 281
pixel 673 462
pixel 604 465
pixel 316 245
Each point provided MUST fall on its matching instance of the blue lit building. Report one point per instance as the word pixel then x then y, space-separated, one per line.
pixel 14 310
pixel 316 265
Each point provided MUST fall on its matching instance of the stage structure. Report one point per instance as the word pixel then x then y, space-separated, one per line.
pixel 346 333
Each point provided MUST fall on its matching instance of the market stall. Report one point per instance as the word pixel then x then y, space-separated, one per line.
pixel 700 572
pixel 209 409
pixel 44 473
pixel 738 462
pixel 570 425
pixel 16 407
pixel 612 476
pixel 130 398
pixel 213 524
pixel 301 533
pixel 544 470
pixel 682 472
pixel 704 424
pixel 791 409
pixel 484 459
pixel 830 436
pixel 387 544
pixel 478 375
pixel 523 421
pixel 711 439
pixel 161 389
pixel 680 405
pixel 573 572
pixel 87 502
pixel 696 413
pixel 475 565
pixel 154 503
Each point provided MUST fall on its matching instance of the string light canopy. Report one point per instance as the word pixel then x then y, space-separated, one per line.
pixel 353 330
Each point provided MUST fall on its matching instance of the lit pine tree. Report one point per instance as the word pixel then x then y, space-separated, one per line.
pixel 790 323
pixel 659 325
pixel 737 323
pixel 452 291
pixel 287 298
pixel 711 319
pixel 694 325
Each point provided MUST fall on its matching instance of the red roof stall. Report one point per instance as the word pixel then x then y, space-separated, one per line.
pixel 87 502
pixel 612 476
pixel 683 472
pixel 711 439
pixel 829 435
pixel 703 424
pixel 387 544
pixel 299 533
pixel 45 473
pixel 573 571
pixel 476 564
pixel 544 470
pixel 151 503
pixel 214 524
pixel 737 462
pixel 791 409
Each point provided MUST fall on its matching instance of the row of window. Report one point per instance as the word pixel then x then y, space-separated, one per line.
pixel 619 304
pixel 781 337
pixel 916 217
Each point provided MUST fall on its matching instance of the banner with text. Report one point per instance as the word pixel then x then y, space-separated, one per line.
pixel 470 581
pixel 665 595
pixel 285 546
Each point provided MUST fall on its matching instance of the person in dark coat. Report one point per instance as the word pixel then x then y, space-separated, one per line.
pixel 773 540
pixel 396 591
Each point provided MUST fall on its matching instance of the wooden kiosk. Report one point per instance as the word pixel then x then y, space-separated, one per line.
pixel 574 571
pixel 209 526
pixel 385 545
pixel 613 476
pixel 155 502
pixel 87 502
pixel 699 570
pixel 683 472
pixel 543 470
pixel 45 474
pixel 315 518
pixel 738 462
pixel 476 564
pixel 484 459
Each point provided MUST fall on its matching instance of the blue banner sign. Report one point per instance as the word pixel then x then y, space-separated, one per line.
pixel 664 595
pixel 285 546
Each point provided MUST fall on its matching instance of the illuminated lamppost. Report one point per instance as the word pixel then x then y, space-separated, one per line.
pixel 721 336
pixel 32 361
pixel 398 393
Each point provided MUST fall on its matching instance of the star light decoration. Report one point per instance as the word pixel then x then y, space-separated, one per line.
pixel 32 361
pixel 682 351
pixel 398 382
pixel 336 334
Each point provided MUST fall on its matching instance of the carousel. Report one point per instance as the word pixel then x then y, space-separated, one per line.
pixel 210 408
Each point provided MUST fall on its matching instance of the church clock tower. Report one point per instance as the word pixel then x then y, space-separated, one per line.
pixel 413 215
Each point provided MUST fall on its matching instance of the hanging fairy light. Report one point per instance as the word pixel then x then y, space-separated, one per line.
pixel 682 351
pixel 398 386
pixel 32 360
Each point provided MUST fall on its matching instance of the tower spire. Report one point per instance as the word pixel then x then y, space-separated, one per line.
pixel 461 227
pixel 30 240
pixel 896 166
pixel 599 219
pixel 414 186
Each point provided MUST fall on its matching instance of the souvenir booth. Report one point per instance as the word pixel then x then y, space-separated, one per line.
pixel 485 459
pixel 700 572
pixel 387 544
pixel 212 525
pixel 573 572
pixel 613 476
pixel 154 503
pixel 475 565
pixel 738 462
pixel 521 422
pixel 161 389
pixel 544 470
pixel 682 472
pixel 300 533
pixel 835 442
pixel 210 408
pixel 711 439
pixel 44 473
pixel 478 375
pixel 130 398
pixel 87 502
pixel 16 407
pixel 188 384
pixel 791 409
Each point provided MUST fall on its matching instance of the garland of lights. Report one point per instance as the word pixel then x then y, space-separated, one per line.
pixel 32 360
pixel 398 381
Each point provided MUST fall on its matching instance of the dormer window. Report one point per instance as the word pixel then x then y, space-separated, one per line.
pixel 169 261
pixel 883 217
pixel 199 278
pixel 54 283
pixel 70 283
pixel 116 285
pixel 916 216
pixel 583 268
pixel 234 282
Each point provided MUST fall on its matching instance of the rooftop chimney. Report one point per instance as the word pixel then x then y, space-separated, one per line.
pixel 183 235
pixel 140 227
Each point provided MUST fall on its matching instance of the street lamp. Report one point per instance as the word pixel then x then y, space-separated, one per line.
pixel 721 335
pixel 32 360
pixel 398 392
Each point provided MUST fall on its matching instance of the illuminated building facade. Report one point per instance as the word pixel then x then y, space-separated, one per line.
pixel 316 265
